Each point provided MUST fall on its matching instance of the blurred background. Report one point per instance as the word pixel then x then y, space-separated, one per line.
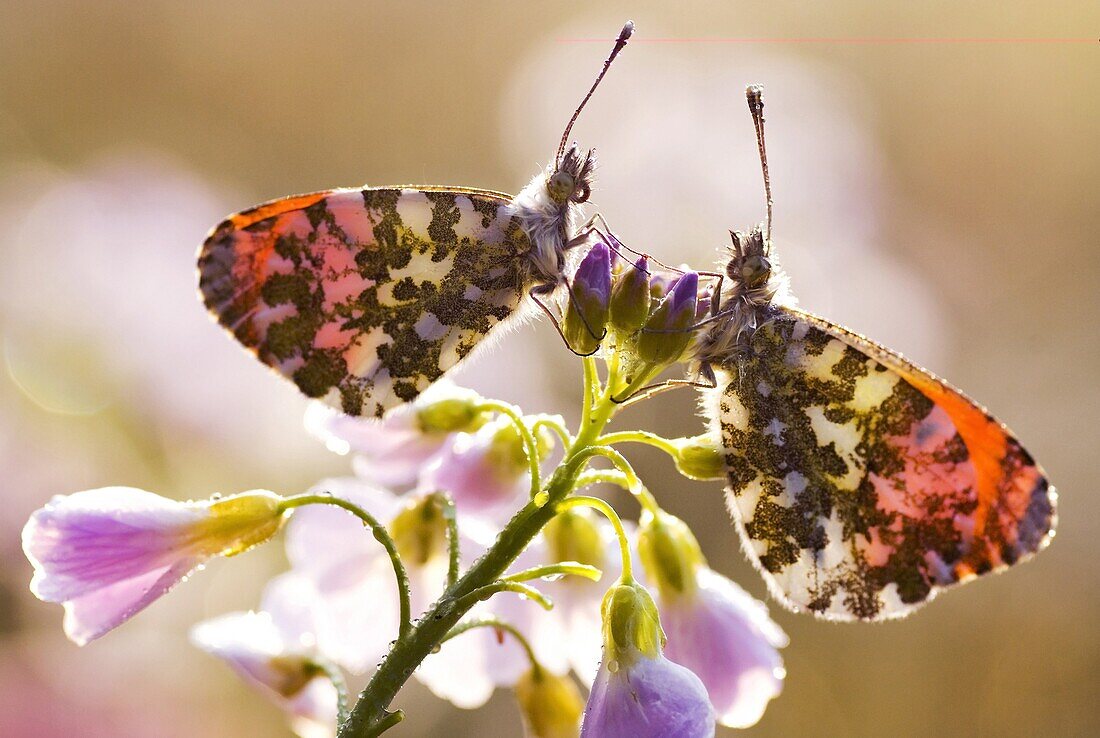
pixel 941 197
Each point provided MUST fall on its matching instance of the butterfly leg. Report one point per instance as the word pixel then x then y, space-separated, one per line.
pixel 535 294
pixel 669 384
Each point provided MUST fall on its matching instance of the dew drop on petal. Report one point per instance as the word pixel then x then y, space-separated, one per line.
pixel 613 666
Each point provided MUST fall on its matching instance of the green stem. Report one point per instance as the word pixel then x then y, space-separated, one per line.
pixel 380 534
pixel 504 585
pixel 529 446
pixel 650 439
pixel 609 512
pixel 370 716
pixel 602 476
pixel 454 552
pixel 555 424
pixel 334 675
pixel 493 622
pixel 560 569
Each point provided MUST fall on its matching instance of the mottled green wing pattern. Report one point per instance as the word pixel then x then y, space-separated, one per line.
pixel 862 484
pixel 365 297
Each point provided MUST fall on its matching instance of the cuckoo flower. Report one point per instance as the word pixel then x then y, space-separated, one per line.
pixel 714 627
pixel 638 693
pixel 486 473
pixel 274 651
pixel 392 451
pixel 357 598
pixel 106 554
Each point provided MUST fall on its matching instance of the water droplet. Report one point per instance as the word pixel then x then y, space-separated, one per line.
pixel 541 498
pixel 216 496
pixel 613 666
pixel 553 577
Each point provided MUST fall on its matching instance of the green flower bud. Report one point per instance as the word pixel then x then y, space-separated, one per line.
pixel 451 414
pixel 551 704
pixel 631 625
pixel 420 530
pixel 630 298
pixel 239 522
pixel 572 535
pixel 666 334
pixel 669 552
pixel 586 311
pixel 701 458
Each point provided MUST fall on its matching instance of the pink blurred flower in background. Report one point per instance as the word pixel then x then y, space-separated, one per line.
pixel 274 650
pixel 394 450
pixel 357 600
pixel 485 472
pixel 106 554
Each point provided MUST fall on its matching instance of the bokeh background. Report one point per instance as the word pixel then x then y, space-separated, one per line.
pixel 941 197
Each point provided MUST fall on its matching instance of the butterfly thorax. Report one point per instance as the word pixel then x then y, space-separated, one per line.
pixel 549 209
pixel 753 284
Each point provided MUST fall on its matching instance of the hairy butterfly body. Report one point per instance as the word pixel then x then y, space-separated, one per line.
pixel 366 296
pixel 860 483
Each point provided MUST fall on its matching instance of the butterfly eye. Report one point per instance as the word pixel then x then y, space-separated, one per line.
pixel 755 270
pixel 561 186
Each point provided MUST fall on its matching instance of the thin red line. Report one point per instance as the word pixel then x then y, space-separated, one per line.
pixel 838 40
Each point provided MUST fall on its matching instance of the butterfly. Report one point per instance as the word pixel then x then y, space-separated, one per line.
pixel 366 296
pixel 860 483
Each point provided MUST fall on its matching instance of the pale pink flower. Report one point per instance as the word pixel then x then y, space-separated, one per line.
pixel 108 553
pixel 714 627
pixel 275 652
pixel 485 473
pixel 726 637
pixel 358 600
pixel 392 451
pixel 349 569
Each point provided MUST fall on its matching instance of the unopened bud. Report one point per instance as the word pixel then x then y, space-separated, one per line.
pixel 669 552
pixel 701 458
pixel 631 624
pixel 666 335
pixel 458 411
pixel 572 535
pixel 551 704
pixel 420 530
pixel 586 311
pixel 630 297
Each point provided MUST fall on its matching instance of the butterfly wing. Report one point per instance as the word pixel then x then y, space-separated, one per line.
pixel 862 484
pixel 366 296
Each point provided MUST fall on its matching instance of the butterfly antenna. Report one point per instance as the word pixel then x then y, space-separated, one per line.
pixel 755 96
pixel 620 42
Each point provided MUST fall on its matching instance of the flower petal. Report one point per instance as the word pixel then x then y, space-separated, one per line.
pixel 650 698
pixel 726 637
pixel 86 541
pixel 93 614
